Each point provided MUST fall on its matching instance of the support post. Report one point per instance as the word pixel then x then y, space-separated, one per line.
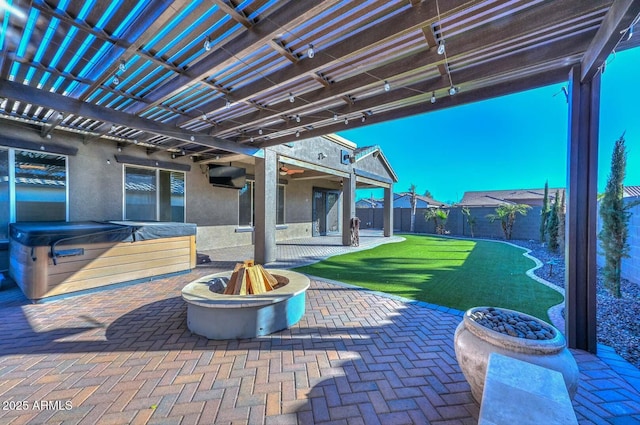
pixel 580 230
pixel 388 211
pixel 266 183
pixel 348 206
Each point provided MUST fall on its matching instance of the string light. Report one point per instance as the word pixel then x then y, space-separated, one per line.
pixel 453 90
pixel 116 80
pixel 441 48
pixel 291 98
pixel 207 44
pixel 260 131
pixel 311 52
pixel 297 118
pixel 433 97
pixel 297 133
pixel 346 121
pixel 227 104
pixel 387 86
pixel 335 117
pixel 123 66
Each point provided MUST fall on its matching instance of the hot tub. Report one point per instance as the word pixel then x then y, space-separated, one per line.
pixel 56 258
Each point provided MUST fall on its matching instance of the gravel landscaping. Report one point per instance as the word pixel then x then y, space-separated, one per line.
pixel 618 319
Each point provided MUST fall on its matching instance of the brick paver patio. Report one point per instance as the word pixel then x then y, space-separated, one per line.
pixel 125 355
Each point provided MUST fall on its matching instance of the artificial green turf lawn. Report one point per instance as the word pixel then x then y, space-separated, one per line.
pixel 454 273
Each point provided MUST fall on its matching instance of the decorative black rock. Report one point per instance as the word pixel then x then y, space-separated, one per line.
pixel 512 324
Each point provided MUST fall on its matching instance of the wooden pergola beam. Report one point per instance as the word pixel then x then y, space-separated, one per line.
pixel 541 79
pixel 22 93
pixel 617 20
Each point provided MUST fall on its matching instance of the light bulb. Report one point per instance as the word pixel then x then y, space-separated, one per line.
pixel 207 44
pixel 441 47
pixel 311 52
pixel 291 98
pixel 433 97
pixel 116 80
pixel 298 133
pixel 123 66
pixel 453 90
pixel 346 121
pixel 335 117
pixel 260 132
pixel 297 118
pixel 228 104
pixel 387 86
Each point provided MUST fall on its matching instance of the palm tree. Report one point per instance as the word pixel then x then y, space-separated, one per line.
pixel 414 201
pixel 506 213
pixel 471 220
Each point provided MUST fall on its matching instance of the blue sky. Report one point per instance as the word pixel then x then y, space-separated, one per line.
pixel 512 142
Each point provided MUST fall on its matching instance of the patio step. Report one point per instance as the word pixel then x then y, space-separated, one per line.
pixel 518 392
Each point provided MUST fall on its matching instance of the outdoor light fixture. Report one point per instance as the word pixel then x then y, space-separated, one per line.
pixel 311 52
pixel 433 97
pixel 227 104
pixel 335 117
pixel 297 118
pixel 251 139
pixel 387 86
pixel 441 48
pixel 346 121
pixel 123 66
pixel 192 138
pixel 291 98
pixel 207 44
pixel 297 133
pixel 116 80
pixel 364 117
pixel 260 131
pixel 453 90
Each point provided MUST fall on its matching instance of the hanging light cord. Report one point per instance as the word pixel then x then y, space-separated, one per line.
pixel 446 60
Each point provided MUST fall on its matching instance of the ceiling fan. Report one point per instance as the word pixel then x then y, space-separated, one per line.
pixel 284 171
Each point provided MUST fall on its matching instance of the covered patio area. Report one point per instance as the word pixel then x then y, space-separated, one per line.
pixel 125 355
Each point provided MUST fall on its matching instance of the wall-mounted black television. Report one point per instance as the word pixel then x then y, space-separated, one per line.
pixel 227 176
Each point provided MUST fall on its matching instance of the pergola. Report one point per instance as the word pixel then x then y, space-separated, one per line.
pixel 215 78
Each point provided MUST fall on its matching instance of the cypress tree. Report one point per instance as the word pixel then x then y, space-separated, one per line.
pixel 552 224
pixel 544 213
pixel 615 218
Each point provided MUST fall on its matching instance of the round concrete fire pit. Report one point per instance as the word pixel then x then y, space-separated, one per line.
pixel 219 316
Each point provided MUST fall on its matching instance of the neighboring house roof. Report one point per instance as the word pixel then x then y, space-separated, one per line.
pixel 498 197
pixel 631 191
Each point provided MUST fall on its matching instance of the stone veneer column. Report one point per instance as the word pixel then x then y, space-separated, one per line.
pixel 266 175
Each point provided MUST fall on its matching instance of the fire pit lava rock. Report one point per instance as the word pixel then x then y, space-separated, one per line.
pixel 486 330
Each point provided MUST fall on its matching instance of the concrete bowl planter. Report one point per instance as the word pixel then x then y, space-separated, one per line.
pixel 529 339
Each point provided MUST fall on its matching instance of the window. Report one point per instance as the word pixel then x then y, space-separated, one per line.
pixel 154 194
pixel 4 195
pixel 33 187
pixel 246 204
pixel 41 186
